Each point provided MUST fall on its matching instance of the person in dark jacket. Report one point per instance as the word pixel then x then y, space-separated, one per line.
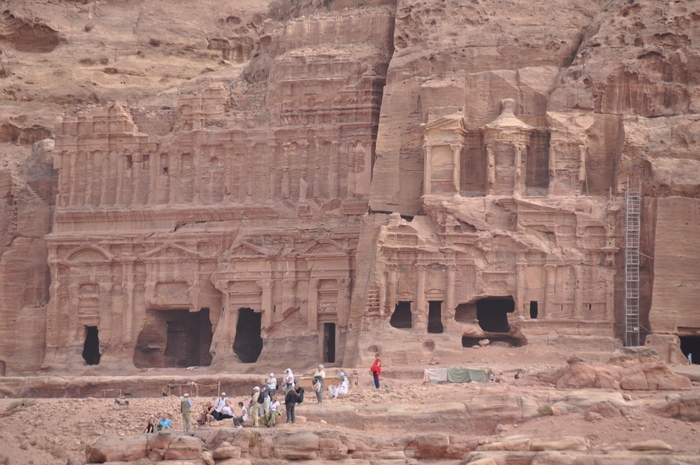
pixel 290 402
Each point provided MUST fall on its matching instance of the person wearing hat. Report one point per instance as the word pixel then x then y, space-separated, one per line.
pixel 342 388
pixel 186 410
pixel 220 404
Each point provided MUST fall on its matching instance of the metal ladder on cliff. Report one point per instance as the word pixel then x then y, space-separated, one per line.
pixel 632 228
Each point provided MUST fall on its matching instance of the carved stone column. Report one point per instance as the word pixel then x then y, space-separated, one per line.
pixel 490 168
pixel 518 187
pixel 393 285
pixel 582 170
pixel 578 291
pixel 312 309
pixel 266 301
pixel 128 286
pixel 549 283
pixel 427 168
pixel 520 267
pixel 421 317
pixel 284 189
pixel 456 151
pixel 450 291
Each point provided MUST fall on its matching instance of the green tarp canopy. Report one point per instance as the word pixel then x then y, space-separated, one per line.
pixel 454 375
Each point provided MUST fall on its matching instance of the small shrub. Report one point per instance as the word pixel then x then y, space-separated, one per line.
pixel 545 410
pixel 21 403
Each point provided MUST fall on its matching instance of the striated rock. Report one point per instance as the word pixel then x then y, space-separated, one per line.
pixel 652 444
pixel 297 446
pixel 627 356
pixel 564 443
pixel 684 407
pixel 638 376
pixel 113 448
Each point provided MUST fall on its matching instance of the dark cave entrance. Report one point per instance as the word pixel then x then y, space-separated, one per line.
pixel 174 338
pixel 248 343
pixel 188 338
pixel 435 316
pixel 691 345
pixel 533 309
pixel 492 313
pixel 402 317
pixel 468 341
pixel 329 342
pixel 91 346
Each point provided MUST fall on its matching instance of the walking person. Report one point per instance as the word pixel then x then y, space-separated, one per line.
pixel 186 410
pixel 319 377
pixel 376 370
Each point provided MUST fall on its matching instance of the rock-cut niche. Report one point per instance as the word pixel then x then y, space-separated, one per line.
pixel 174 338
pixel 248 343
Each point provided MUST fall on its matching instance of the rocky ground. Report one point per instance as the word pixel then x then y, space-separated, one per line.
pixel 53 431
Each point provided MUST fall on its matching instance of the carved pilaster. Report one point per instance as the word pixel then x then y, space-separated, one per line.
pixel 312 309
pixel 266 286
pixel 550 277
pixel 421 317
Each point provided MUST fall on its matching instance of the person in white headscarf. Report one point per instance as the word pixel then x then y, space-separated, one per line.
pixel 288 380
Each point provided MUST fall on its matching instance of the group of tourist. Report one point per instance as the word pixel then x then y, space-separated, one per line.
pixel 264 405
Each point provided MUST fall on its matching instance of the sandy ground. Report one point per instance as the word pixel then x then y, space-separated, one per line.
pixel 54 430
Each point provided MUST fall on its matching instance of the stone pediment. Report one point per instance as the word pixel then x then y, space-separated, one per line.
pixel 247 249
pixel 454 121
pixel 88 254
pixel 322 248
pixel 169 251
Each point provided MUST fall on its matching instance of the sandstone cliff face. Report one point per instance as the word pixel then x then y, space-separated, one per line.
pixel 399 177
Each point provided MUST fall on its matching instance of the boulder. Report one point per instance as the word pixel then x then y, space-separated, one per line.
pixel 685 407
pixel 652 444
pixel 297 446
pixel 559 443
pixel 113 448
pixel 184 448
pixel 226 451
pixel 427 446
pixel 626 356
pixel 208 458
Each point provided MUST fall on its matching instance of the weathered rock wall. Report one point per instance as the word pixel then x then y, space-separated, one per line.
pixel 398 177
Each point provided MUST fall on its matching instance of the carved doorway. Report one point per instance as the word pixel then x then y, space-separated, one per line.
pixel 329 342
pixel 402 317
pixel 174 338
pixel 691 345
pixel 435 316
pixel 248 343
pixel 91 346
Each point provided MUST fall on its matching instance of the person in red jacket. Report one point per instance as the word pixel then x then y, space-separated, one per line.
pixel 376 370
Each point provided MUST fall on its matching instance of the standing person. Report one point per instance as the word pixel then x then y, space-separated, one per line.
pixel 272 384
pixel 288 380
pixel 265 393
pixel 220 404
pixel 186 410
pixel 376 370
pixel 255 406
pixel 290 402
pixel 690 358
pixel 319 376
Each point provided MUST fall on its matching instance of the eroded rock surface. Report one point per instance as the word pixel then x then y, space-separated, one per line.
pixel 342 177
